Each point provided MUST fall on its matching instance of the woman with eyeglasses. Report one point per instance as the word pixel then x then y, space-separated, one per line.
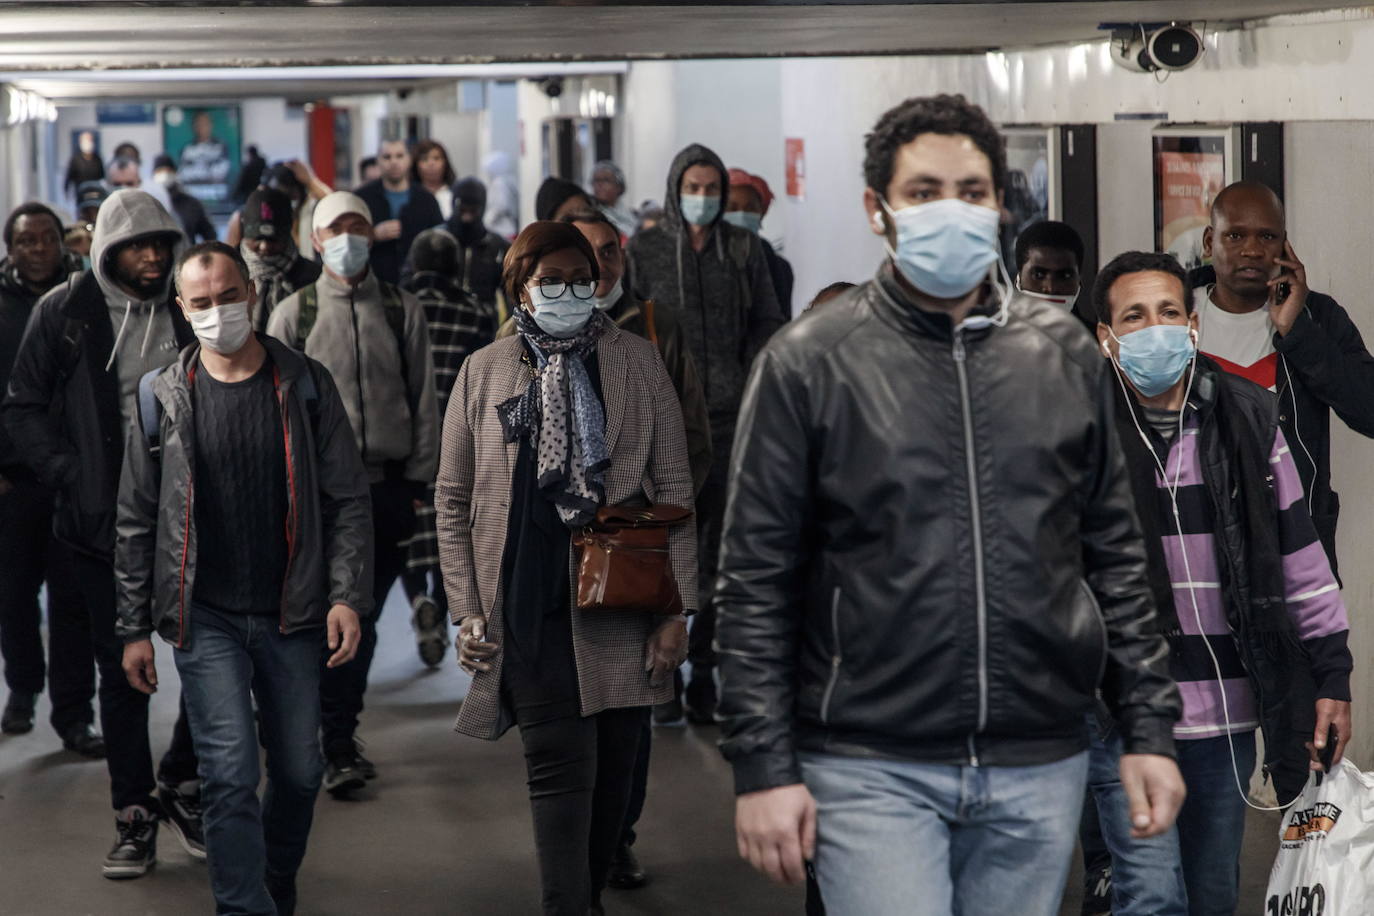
pixel 544 428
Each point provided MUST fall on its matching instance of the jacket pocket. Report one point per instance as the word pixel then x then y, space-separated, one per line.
pixel 836 655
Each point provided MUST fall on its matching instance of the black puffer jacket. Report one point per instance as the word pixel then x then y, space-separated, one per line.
pixel 723 295
pixel 931 549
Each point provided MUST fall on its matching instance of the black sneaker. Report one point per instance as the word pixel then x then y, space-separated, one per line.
pixel 431 630
pixel 181 810
pixel 367 767
pixel 135 848
pixel 701 699
pixel 626 874
pixel 1097 892
pixel 18 716
pixel 669 714
pixel 343 772
pixel 83 739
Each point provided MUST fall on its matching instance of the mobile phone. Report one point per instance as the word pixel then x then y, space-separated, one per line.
pixel 1282 292
pixel 1328 753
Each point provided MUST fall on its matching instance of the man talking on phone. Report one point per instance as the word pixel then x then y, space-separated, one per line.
pixel 1258 319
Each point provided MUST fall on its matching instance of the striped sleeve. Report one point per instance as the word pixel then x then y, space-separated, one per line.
pixel 1310 588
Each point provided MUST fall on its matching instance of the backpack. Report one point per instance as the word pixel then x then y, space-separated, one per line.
pixel 150 408
pixel 392 306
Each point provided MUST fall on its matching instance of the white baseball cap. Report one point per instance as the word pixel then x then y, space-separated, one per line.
pixel 336 205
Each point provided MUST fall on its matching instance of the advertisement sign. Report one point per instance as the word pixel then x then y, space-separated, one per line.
pixel 126 113
pixel 1030 194
pixel 1189 172
pixel 206 143
pixel 795 152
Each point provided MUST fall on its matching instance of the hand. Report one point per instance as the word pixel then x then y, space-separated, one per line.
pixel 302 170
pixel 1154 790
pixel 1284 313
pixel 139 667
pixel 344 634
pixel 1330 712
pixel 474 652
pixel 776 831
pixel 665 650
pixel 5 485
pixel 387 230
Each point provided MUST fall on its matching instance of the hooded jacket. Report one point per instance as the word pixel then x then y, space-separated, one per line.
pixel 482 251
pixel 931 550
pixel 329 516
pixel 388 394
pixel 723 295
pixel 1324 366
pixel 71 393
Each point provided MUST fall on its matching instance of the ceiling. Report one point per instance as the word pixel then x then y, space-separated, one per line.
pixel 69 48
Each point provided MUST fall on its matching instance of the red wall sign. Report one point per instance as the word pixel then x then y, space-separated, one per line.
pixel 795 149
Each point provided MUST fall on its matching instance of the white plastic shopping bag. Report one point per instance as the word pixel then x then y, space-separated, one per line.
pixel 1325 865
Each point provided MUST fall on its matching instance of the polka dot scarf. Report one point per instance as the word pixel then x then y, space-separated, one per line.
pixel 564 420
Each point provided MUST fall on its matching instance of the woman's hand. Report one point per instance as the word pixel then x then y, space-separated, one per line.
pixel 665 650
pixel 474 652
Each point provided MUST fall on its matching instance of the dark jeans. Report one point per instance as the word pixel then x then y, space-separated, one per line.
pixel 580 772
pixel 1211 824
pixel 419 582
pixel 639 788
pixel 29 556
pixel 231 659
pixel 342 688
pixel 123 710
pixel 710 513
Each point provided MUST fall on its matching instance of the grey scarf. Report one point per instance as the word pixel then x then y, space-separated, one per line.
pixel 269 277
pixel 564 420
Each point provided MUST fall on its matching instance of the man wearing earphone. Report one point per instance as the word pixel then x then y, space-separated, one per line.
pixel 1244 592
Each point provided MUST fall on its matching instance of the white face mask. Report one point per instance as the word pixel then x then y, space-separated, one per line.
pixel 607 302
pixel 1064 302
pixel 165 178
pixel 346 254
pixel 222 328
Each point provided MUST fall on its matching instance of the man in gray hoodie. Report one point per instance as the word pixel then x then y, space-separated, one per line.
pixel 71 397
pixel 715 277
pixel 373 339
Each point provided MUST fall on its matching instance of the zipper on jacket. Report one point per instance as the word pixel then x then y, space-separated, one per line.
pixel 975 511
pixel 358 372
pixel 294 504
pixel 836 657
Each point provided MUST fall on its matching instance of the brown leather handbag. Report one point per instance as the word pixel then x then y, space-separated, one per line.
pixel 624 563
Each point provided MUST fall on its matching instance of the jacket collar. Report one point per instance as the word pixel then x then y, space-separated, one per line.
pixel 368 288
pixel 892 303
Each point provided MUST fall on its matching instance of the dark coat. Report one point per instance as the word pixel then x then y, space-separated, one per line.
pixel 419 213
pixel 329 511
pixel 931 549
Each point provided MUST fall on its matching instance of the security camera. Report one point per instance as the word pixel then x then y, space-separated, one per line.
pixel 552 86
pixel 1146 48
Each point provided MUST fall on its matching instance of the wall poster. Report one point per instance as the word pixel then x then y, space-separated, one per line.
pixel 1191 166
pixel 1031 191
pixel 205 142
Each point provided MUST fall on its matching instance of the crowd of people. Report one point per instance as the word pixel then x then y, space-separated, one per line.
pixel 970 562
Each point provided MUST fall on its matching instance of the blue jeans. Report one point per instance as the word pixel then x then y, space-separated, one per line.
pixel 1147 875
pixel 913 839
pixel 229 660
pixel 1211 826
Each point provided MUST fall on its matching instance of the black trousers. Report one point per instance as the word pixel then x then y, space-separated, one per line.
pixel 29 556
pixel 342 688
pixel 710 514
pixel 580 771
pixel 123 710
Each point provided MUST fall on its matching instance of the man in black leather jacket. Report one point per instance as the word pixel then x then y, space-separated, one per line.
pixel 930 563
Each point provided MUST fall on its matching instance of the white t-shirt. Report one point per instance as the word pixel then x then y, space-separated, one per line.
pixel 1242 344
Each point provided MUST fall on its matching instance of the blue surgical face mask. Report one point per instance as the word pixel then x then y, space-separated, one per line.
pixel 745 220
pixel 945 248
pixel 1155 358
pixel 564 316
pixel 346 254
pixel 699 209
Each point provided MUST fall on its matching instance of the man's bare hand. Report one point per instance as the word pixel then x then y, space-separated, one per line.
pixel 387 230
pixel 1330 712
pixel 1154 788
pixel 1294 276
pixel 776 831
pixel 139 667
pixel 344 634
